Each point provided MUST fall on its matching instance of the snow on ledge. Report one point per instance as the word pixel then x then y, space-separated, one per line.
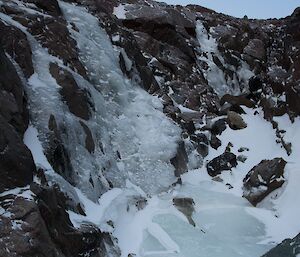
pixel 120 12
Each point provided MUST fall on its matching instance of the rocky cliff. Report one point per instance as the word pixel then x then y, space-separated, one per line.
pixel 95 93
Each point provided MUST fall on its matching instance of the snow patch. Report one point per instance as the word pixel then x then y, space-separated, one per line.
pixel 120 11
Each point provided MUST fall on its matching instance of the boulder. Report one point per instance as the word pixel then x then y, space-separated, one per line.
pixel 201 143
pixel 225 161
pixel 215 142
pixel 186 206
pixel 263 179
pixel 256 49
pixel 235 121
pixel 255 84
pixel 218 127
pixel 237 101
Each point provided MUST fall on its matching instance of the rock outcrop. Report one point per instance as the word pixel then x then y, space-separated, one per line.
pixel 16 162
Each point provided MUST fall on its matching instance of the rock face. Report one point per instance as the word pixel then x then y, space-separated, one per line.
pixel 288 248
pixel 16 163
pixel 12 97
pixel 263 179
pixel 225 161
pixel 44 228
pixel 76 98
pixel 24 233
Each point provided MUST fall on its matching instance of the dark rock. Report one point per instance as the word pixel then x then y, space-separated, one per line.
pixel 256 49
pixel 87 240
pixel 16 162
pixel 56 152
pixel 235 121
pixel 76 98
pixel 53 34
pixel 262 179
pixel 237 100
pixel 225 161
pixel 12 97
pixel 218 127
pixel 293 99
pixel 186 206
pixel 31 238
pixel 50 6
pixel 255 84
pixel 228 147
pixel 229 186
pixel 201 142
pixel 287 248
pixel 89 141
pixel 44 229
pixel 241 158
pixel 180 160
pixel 242 149
pixel 15 43
pixel 215 142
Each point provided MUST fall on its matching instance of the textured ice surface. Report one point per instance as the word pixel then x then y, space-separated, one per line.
pixel 127 122
pixel 215 76
pixel 137 128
